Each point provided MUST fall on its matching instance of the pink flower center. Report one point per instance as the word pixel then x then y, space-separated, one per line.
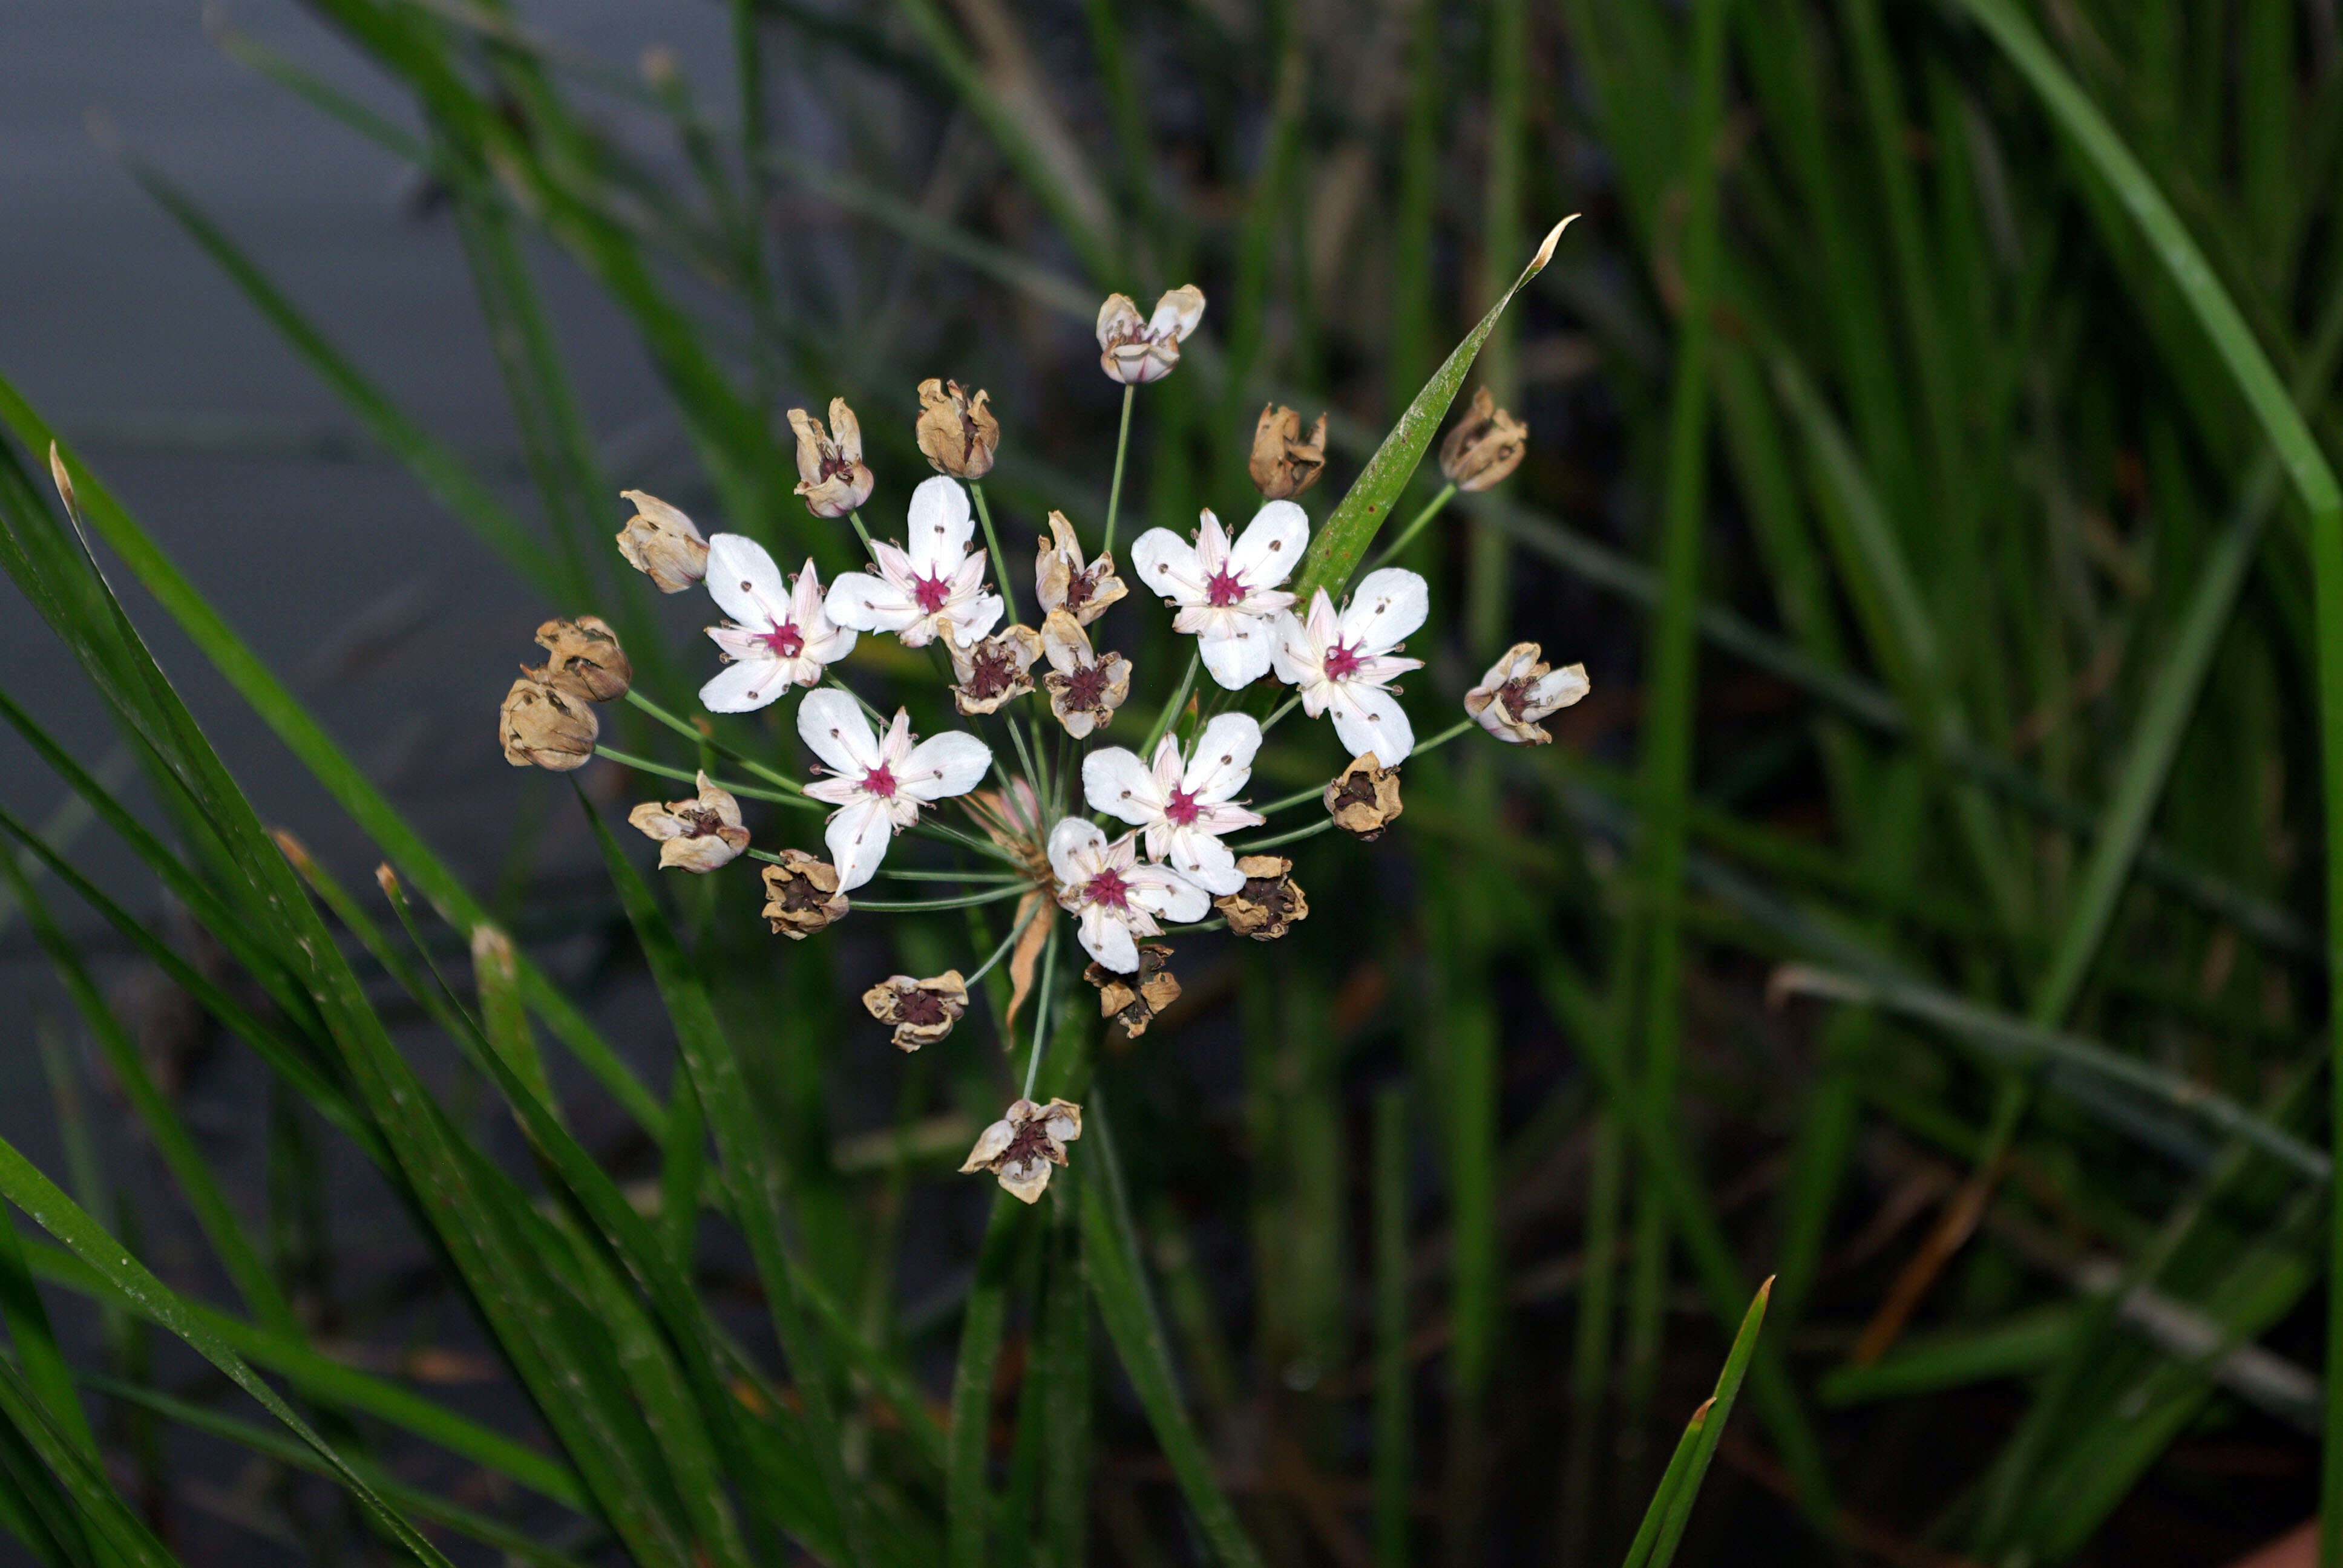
pixel 1108 888
pixel 1182 809
pixel 785 640
pixel 1223 588
pixel 931 593
pixel 878 781
pixel 1342 662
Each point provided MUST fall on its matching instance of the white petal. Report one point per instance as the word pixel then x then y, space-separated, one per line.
pixel 1179 899
pixel 939 527
pixel 745 687
pixel 744 582
pixel 944 765
pixel 973 617
pixel 1368 719
pixel 831 725
pixel 1559 688
pixel 1117 783
pixel 1108 939
pixel 858 837
pixel 1207 862
pixel 866 603
pixel 1177 313
pixel 1238 652
pixel 1223 758
pixel 990 1145
pixel 1077 848
pixel 1117 315
pixel 1271 547
pixel 1386 608
pixel 1167 563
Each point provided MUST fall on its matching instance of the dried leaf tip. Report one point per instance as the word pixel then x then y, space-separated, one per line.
pixel 296 853
pixel 1700 1417
pixel 1545 251
pixel 62 481
pixel 1765 1291
pixel 387 880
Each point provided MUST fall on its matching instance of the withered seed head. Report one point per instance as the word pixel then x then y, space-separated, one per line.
pixel 1283 465
pixel 1363 798
pixel 1063 580
pixel 696 835
pixel 662 544
pixel 997 669
pixel 547 721
pixel 830 472
pixel 922 1011
pixel 1485 448
pixel 1135 1000
pixel 956 430
pixel 1269 903
pixel 801 895
pixel 1085 687
pixel 588 652
pixel 1021 1148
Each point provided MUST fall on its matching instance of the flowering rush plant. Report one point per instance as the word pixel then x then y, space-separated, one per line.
pixel 1060 791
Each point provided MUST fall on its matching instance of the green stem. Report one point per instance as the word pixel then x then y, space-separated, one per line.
pixel 1170 713
pixel 1042 999
pixel 1002 951
pixel 1283 709
pixel 685 775
pixel 855 516
pixel 698 737
pixel 992 542
pixel 965 900
pixel 1416 525
pixel 1121 444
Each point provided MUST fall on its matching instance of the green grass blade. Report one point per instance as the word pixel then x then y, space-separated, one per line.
pixel 968 1494
pixel 1709 1425
pixel 115 1534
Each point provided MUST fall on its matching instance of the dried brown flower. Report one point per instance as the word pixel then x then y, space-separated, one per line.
pixel 662 544
pixel 1063 582
pixel 1085 687
pixel 801 895
pixel 1135 1000
pixel 1020 1147
pixel 957 431
pixel 831 473
pixel 587 650
pixel 997 669
pixel 1520 689
pixel 1270 901
pixel 1485 448
pixel 1363 798
pixel 922 1011
pixel 1283 465
pixel 1134 351
pixel 547 721
pixel 696 835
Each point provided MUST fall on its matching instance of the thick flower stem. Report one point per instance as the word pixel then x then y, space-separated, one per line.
pixel 1416 526
pixel 1121 444
pixel 992 542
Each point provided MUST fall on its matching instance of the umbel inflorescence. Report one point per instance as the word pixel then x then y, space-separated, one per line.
pixel 1068 790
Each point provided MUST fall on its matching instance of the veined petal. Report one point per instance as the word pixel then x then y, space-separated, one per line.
pixel 858 837
pixel 1107 939
pixel 865 603
pixel 1271 547
pixel 1368 719
pixel 940 527
pixel 1206 861
pixel 1386 608
pixel 745 687
pixel 1117 783
pixel 744 582
pixel 835 792
pixel 944 765
pixel 1167 563
pixel 805 602
pixel 831 725
pixel 1076 850
pixel 1221 759
pixel 1165 892
pixel 1237 650
pixel 970 619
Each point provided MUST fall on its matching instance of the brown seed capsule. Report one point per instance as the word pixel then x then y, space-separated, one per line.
pixel 997 669
pixel 1363 798
pixel 1021 1148
pixel 587 650
pixel 1270 901
pixel 547 721
pixel 1485 448
pixel 831 473
pixel 1520 689
pixel 1135 1000
pixel 1283 465
pixel 662 544
pixel 1085 687
pixel 922 1011
pixel 1063 582
pixel 957 432
pixel 801 895
pixel 696 835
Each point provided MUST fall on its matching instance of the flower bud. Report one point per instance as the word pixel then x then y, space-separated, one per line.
pixel 957 431
pixel 922 1011
pixel 1485 448
pixel 662 544
pixel 587 651
pixel 801 895
pixel 1135 352
pixel 1363 799
pixel 831 473
pixel 1135 1000
pixel 547 721
pixel 1269 903
pixel 696 835
pixel 1283 465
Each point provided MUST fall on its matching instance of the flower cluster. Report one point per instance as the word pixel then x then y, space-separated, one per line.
pixel 1133 840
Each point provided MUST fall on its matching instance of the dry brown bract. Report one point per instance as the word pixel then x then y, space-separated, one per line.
pixel 1283 465
pixel 997 669
pixel 1485 448
pixel 1363 798
pixel 587 651
pixel 1135 1000
pixel 1270 901
pixel 1063 582
pixel 801 895
pixel 1085 687
pixel 831 473
pixel 698 835
pixel 1519 690
pixel 1024 1144
pixel 956 431
pixel 662 544
pixel 1135 352
pixel 922 1011
pixel 547 721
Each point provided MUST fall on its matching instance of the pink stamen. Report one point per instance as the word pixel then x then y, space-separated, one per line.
pixel 1223 588
pixel 931 593
pixel 878 781
pixel 1182 809
pixel 786 641
pixel 1108 888
pixel 1342 662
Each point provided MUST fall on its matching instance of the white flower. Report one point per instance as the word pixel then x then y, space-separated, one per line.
pixel 1346 664
pixel 1519 690
pixel 1135 352
pixel 1114 897
pixel 878 784
pixel 780 636
pixel 935 586
pixel 1183 806
pixel 1227 593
